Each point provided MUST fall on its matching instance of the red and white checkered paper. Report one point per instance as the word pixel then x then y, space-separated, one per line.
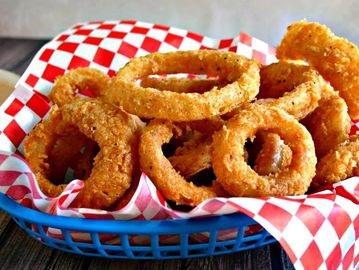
pixel 318 231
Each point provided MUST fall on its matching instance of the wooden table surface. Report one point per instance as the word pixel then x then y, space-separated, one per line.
pixel 19 251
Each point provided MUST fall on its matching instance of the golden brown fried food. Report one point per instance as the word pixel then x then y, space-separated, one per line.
pixel 161 172
pixel 238 178
pixel 340 163
pixel 116 133
pixel 336 59
pixel 274 155
pixel 64 90
pixel 181 85
pixel 329 124
pixel 241 73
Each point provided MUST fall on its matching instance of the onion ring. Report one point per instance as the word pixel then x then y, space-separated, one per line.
pixel 181 85
pixel 330 120
pixel 340 163
pixel 159 169
pixel 274 155
pixel 336 59
pixel 243 74
pixel 64 90
pixel 238 178
pixel 116 133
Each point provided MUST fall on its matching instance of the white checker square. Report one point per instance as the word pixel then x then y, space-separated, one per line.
pixel 296 232
pixel 101 33
pixel 86 51
pixel 178 32
pixel 76 38
pixel 100 67
pixel 118 61
pixel 61 59
pixel 289 206
pixel 123 28
pixel 255 204
pixel 244 50
pixel 326 238
pixel 37 68
pixel 43 86
pixel 22 93
pixel 158 34
pixel 26 119
pixel 5 119
pixel 141 52
pixel 270 59
pixel 259 45
pixel 348 204
pixel 347 239
pixel 189 44
pixel 151 210
pixel 134 39
pixel 5 144
pixel 52 45
pixel 90 26
pixel 144 24
pixel 110 44
pixel 325 207
pixel 165 47
pixel 211 43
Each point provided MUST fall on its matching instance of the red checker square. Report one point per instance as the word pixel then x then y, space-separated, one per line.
pixel 194 36
pixel 32 80
pixel 288 250
pixel 108 26
pixel 9 177
pixel 271 50
pixel 139 30
pixel 174 40
pixel 39 105
pixel 77 61
pixel 46 55
pixel 245 39
pixel 127 49
pixel 104 57
pixel 202 47
pixel 128 22
pixel 98 216
pixel 278 216
pixel 18 192
pixel 213 206
pixel 261 57
pixel 26 202
pixel 225 43
pixel 68 47
pixel 117 34
pixel 93 40
pixel 111 72
pixel 232 49
pixel 311 217
pixel 354 129
pixel 312 257
pixel 84 32
pixel 51 72
pixel 334 259
pixel 160 197
pixel 15 106
pixel 150 44
pixel 161 27
pixel 340 220
pixel 15 133
pixel 62 37
pixel 348 258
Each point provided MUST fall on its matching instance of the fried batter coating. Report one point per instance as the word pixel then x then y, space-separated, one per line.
pixel 159 169
pixel 340 163
pixel 329 124
pixel 64 90
pixel 238 178
pixel 241 73
pixel 336 59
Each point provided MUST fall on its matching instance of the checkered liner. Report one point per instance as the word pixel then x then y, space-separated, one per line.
pixel 320 230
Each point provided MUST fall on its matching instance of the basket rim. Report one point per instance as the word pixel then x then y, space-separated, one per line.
pixel 170 226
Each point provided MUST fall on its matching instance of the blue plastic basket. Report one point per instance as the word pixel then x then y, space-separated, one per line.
pixel 35 224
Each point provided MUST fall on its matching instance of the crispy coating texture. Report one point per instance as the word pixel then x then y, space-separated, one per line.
pixel 193 157
pixel 159 169
pixel 336 59
pixel 291 86
pixel 116 133
pixel 238 178
pixel 329 124
pixel 274 155
pixel 340 163
pixel 241 73
pixel 181 85
pixel 64 90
